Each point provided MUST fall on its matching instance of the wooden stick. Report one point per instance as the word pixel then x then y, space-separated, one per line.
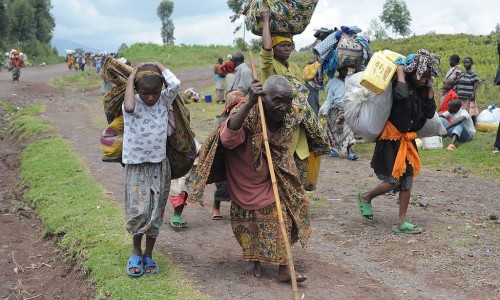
pixel 284 232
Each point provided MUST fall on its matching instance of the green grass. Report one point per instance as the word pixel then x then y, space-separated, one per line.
pixel 475 155
pixel 88 226
pixel 9 108
pixel 80 81
pixel 24 124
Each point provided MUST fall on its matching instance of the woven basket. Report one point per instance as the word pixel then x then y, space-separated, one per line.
pixel 115 71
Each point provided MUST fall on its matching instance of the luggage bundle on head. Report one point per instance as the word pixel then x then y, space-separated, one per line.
pixel 349 51
pixel 287 17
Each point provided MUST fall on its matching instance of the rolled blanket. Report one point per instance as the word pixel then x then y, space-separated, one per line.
pixel 115 71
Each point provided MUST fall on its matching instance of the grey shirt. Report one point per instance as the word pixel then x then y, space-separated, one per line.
pixel 242 80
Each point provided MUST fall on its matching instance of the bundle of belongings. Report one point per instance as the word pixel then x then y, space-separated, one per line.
pixel 367 107
pixel 289 17
pixel 343 48
pixel 181 147
pixel 189 96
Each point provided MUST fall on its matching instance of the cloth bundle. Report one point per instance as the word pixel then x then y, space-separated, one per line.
pixel 111 142
pixel 349 51
pixel 289 17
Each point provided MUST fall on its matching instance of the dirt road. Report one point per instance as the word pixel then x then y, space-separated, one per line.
pixel 457 257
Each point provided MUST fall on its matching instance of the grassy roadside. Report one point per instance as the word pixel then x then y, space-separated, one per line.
pixel 88 226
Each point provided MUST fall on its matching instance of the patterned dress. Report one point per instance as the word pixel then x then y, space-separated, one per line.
pixel 257 230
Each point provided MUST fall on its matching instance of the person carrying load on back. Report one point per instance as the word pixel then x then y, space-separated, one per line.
pixel 148 173
pixel 395 158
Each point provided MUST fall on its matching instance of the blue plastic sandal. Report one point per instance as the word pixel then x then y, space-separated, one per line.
pixel 148 263
pixel 334 153
pixel 135 262
pixel 352 156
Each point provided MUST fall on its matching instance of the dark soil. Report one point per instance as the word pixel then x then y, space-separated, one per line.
pixel 457 257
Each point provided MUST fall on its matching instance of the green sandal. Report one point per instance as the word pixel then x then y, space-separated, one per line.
pixel 365 209
pixel 177 222
pixel 408 228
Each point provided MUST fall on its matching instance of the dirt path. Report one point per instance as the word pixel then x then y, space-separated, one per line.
pixel 457 257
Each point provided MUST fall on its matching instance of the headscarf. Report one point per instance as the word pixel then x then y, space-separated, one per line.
pixel 141 74
pixel 423 62
pixel 278 39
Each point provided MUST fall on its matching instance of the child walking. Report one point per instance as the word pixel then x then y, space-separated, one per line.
pixel 147 168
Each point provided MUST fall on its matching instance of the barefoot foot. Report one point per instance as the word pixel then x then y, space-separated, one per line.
pixel 285 276
pixel 253 269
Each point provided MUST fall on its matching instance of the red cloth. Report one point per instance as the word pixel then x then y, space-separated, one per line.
pixel 227 67
pixel 444 105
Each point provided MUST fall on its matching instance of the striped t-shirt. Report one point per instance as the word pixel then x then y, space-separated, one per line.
pixel 465 85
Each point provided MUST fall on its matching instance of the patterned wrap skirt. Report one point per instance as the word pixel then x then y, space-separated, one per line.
pixel 146 193
pixel 259 235
pixel 339 133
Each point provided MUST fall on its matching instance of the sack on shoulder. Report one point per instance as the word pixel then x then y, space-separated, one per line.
pixel 181 147
pixel 350 52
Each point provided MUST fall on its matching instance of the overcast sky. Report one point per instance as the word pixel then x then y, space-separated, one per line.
pixel 107 24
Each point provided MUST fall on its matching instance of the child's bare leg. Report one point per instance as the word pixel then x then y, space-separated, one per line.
pixel 148 251
pixel 136 251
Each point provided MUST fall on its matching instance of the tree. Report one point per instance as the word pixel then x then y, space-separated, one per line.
pixel 240 44
pixel 236 6
pixel 396 15
pixel 44 20
pixel 376 31
pixel 164 11
pixel 497 28
pixel 23 24
pixel 4 25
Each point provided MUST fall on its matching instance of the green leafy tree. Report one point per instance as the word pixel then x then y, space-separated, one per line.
pixel 4 25
pixel 396 15
pixel 22 18
pixel 376 31
pixel 44 20
pixel 255 45
pixel 236 6
pixel 164 11
pixel 240 44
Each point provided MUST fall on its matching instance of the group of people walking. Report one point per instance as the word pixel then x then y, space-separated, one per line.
pixel 233 155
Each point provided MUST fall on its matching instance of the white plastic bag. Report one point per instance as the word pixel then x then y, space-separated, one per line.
pixel 432 127
pixel 366 112
pixel 489 116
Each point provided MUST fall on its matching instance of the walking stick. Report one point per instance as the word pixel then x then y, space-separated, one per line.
pixel 284 233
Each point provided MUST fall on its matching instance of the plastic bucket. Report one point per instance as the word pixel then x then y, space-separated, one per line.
pixel 208 98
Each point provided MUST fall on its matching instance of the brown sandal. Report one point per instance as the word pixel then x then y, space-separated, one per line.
pixel 216 215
